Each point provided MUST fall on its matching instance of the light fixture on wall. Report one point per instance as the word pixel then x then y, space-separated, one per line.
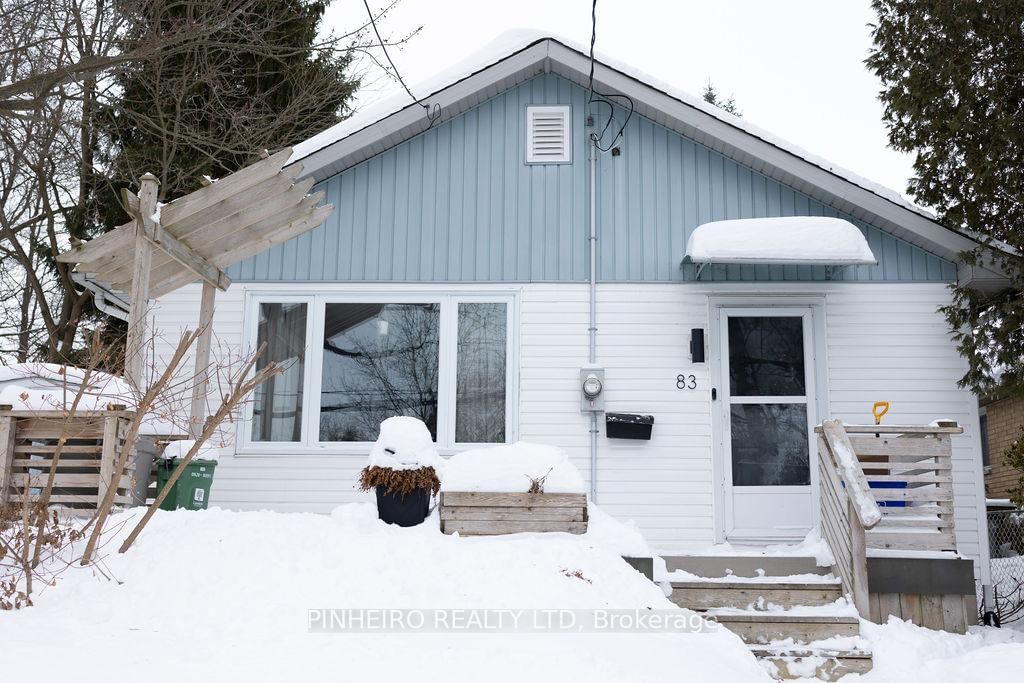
pixel 697 345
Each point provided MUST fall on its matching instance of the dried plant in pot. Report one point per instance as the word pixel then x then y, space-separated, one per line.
pixel 403 470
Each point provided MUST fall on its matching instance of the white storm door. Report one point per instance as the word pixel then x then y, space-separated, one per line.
pixel 768 411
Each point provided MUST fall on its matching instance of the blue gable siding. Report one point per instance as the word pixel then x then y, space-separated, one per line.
pixel 458 203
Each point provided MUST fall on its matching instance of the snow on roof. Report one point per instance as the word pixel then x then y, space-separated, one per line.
pixel 511 42
pixel 38 387
pixel 805 240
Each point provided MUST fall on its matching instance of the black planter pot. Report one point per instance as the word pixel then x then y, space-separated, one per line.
pixel 408 510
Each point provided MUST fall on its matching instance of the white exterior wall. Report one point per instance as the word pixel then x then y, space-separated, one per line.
pixel 885 341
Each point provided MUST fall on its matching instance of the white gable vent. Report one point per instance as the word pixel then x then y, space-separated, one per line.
pixel 548 135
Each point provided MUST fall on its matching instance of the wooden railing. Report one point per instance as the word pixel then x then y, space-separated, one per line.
pixel 886 487
pixel 848 509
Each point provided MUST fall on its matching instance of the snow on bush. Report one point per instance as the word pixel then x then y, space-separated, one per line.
pixel 512 468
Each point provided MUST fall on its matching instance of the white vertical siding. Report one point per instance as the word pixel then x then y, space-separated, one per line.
pixel 885 341
pixel 665 485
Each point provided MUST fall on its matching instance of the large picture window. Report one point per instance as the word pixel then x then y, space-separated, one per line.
pixel 379 360
pixel 352 363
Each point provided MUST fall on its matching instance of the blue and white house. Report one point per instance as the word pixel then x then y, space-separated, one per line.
pixel 479 268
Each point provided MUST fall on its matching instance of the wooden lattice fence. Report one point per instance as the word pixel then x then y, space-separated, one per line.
pixel 85 468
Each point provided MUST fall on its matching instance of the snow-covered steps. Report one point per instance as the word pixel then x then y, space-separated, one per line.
pixel 744 565
pixel 703 595
pixel 758 627
pixel 821 663
pixel 790 612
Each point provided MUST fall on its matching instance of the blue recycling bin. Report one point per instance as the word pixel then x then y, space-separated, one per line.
pixel 889 485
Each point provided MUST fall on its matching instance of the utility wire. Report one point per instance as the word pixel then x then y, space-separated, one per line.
pixel 604 98
pixel 433 112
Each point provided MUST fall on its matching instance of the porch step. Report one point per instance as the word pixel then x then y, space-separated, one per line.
pixel 764 599
pixel 747 566
pixel 762 628
pixel 757 595
pixel 827 664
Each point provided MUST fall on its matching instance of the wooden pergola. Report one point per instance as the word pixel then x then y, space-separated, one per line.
pixel 196 237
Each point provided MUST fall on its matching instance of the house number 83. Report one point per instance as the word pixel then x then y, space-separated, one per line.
pixel 686 382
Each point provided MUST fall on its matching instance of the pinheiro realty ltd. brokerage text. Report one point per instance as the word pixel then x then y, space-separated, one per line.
pixel 504 620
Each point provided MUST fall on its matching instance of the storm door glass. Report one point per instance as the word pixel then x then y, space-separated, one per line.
pixel 768 401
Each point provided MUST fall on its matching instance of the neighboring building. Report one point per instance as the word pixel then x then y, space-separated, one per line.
pixel 452 282
pixel 1002 422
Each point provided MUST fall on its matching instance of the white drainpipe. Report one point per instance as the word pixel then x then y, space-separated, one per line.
pixel 593 311
pixel 99 299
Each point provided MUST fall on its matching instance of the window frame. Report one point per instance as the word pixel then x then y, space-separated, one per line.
pixel 448 301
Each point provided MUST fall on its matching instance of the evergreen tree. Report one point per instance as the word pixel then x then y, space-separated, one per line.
pixel 712 96
pixel 260 83
pixel 953 77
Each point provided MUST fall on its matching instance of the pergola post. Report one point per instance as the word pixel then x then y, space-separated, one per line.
pixel 139 300
pixel 197 416
pixel 195 237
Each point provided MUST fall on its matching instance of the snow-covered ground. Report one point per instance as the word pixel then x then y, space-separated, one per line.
pixel 904 652
pixel 225 596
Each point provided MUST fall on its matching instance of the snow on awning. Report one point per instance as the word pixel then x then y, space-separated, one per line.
pixel 795 240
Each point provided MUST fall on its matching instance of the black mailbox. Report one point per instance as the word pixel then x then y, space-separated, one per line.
pixel 628 426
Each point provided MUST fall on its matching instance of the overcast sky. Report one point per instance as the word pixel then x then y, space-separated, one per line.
pixel 795 67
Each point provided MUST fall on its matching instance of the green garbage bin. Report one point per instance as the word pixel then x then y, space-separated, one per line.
pixel 192 490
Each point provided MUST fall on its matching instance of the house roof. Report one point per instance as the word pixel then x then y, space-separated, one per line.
pixel 519 56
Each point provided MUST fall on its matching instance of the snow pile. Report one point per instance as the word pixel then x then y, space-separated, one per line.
pixel 762 577
pixel 622 538
pixel 796 240
pixel 404 444
pixel 905 652
pixel 232 591
pixel 49 386
pixel 179 449
pixel 838 608
pixel 510 469
pixel 812 545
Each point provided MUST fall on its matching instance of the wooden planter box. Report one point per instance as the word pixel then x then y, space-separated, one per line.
pixel 490 514
pixel 28 440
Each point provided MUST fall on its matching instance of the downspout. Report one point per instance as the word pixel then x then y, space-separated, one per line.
pixel 99 300
pixel 593 311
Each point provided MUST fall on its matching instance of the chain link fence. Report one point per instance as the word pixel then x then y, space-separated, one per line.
pixel 1006 541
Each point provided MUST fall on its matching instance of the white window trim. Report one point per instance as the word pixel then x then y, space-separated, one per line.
pixel 448 298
